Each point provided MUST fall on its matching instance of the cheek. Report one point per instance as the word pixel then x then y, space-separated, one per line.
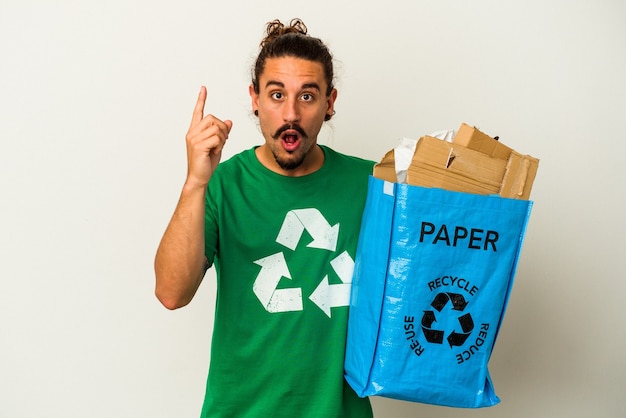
pixel 316 118
pixel 264 124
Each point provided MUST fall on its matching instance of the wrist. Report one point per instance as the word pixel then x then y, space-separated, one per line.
pixel 192 185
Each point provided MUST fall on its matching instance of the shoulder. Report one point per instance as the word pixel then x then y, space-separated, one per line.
pixel 346 161
pixel 235 166
pixel 242 158
pixel 231 171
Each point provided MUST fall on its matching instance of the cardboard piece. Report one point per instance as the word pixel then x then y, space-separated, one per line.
pixel 473 163
pixel 472 138
pixel 386 168
pixel 440 164
pixel 519 176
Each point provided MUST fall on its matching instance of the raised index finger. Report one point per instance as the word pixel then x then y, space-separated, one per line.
pixel 198 111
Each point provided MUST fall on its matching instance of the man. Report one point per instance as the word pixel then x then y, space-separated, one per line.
pixel 280 222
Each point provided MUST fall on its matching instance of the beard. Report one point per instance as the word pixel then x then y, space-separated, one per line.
pixel 293 159
pixel 288 164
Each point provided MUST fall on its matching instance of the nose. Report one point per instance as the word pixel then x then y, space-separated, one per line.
pixel 291 111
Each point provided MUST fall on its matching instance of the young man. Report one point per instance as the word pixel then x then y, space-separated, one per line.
pixel 280 222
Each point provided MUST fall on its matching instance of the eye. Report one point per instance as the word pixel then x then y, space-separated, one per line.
pixel 276 95
pixel 307 97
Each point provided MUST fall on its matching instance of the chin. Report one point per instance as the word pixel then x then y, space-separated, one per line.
pixel 289 164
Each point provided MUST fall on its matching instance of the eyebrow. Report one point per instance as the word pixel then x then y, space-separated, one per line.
pixel 282 85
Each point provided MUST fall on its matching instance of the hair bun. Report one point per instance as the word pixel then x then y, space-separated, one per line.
pixel 276 28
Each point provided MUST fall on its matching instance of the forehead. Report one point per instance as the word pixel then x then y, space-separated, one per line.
pixel 293 72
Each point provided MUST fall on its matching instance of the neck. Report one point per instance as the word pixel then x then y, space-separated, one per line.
pixel 313 161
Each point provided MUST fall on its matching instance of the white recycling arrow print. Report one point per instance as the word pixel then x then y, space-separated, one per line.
pixel 274 268
pixel 296 221
pixel 328 296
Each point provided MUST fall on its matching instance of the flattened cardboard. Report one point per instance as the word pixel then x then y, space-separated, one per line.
pixel 441 164
pixel 473 163
pixel 473 138
pixel 520 174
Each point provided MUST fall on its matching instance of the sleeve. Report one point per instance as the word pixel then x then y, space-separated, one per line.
pixel 211 230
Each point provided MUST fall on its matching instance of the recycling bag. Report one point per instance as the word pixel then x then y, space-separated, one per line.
pixel 432 277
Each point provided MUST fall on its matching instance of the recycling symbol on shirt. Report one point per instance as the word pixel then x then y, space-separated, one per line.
pixel 274 267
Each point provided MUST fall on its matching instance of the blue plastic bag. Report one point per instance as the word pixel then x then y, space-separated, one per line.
pixel 432 277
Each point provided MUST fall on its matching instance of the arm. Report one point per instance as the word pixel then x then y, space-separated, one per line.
pixel 180 261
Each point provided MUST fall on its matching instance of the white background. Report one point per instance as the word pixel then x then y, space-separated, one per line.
pixel 95 100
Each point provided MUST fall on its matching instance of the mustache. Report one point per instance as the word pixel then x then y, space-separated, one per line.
pixel 288 126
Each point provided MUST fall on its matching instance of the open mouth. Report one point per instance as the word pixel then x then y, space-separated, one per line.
pixel 290 136
pixel 290 141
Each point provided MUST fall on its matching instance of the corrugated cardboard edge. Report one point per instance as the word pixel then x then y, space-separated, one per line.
pixel 441 164
pixel 520 170
pixel 519 176
pixel 386 168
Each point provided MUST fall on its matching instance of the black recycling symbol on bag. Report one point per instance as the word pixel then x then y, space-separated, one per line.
pixel 458 304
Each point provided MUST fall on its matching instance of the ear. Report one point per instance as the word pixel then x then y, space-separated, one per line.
pixel 255 99
pixel 330 104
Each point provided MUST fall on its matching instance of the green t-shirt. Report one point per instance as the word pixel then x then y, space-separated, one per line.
pixel 283 248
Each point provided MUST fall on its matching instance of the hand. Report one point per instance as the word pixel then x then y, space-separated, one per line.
pixel 205 140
